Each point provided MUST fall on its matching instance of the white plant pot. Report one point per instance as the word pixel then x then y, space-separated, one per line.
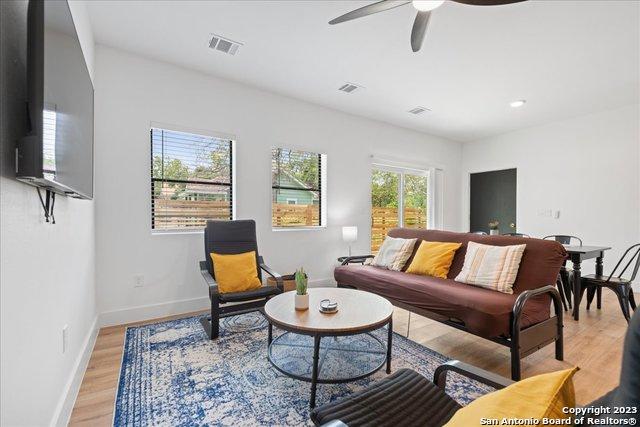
pixel 494 232
pixel 302 302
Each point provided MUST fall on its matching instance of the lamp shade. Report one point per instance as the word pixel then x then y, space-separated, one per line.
pixel 350 233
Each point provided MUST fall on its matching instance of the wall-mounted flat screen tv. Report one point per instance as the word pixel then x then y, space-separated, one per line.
pixel 57 153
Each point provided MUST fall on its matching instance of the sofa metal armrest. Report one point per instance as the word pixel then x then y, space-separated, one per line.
pixel 524 297
pixel 277 277
pixel 353 259
pixel 208 278
pixel 532 338
pixel 485 377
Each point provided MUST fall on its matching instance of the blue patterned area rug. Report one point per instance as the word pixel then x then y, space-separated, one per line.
pixel 173 375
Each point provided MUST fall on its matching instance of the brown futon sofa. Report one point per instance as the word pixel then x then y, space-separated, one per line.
pixel 521 321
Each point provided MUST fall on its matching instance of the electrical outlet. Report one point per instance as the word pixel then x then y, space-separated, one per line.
pixel 65 338
pixel 556 214
pixel 138 281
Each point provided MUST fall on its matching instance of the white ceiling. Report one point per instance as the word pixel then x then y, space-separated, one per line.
pixel 566 58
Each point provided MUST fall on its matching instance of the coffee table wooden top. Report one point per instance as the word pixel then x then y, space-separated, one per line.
pixel 357 311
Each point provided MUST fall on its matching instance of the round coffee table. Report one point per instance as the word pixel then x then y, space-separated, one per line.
pixel 358 312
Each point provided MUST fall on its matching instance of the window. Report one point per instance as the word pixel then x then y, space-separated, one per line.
pixel 398 199
pixel 296 188
pixel 191 180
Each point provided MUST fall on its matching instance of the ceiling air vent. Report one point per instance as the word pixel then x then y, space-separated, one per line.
pixel 349 87
pixel 223 44
pixel 418 110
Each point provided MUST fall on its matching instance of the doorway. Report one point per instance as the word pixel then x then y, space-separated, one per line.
pixel 493 198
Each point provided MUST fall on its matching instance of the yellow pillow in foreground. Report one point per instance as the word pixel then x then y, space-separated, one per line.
pixel 542 396
pixel 433 259
pixel 235 273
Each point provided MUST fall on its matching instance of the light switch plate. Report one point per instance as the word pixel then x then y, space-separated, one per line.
pixel 138 281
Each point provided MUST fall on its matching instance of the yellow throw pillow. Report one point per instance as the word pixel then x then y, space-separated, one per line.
pixel 542 396
pixel 235 273
pixel 433 259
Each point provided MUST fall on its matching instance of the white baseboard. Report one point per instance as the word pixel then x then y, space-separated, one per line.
pixel 171 308
pixel 152 311
pixel 65 405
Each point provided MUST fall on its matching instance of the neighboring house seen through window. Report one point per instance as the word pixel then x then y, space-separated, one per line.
pixel 191 180
pixel 296 188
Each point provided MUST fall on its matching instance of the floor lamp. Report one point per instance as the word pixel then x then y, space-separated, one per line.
pixel 349 235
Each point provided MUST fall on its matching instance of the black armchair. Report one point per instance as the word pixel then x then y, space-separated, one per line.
pixel 233 237
pixel 408 398
pixel 403 398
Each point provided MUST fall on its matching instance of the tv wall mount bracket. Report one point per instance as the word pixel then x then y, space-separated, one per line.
pixel 48 203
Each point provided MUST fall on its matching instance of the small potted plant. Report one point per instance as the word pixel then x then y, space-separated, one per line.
pixel 493 227
pixel 302 297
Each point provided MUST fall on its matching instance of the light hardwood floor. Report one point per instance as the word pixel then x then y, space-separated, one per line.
pixel 594 344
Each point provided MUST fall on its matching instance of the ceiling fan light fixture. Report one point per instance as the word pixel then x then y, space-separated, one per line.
pixel 517 104
pixel 421 22
pixel 426 5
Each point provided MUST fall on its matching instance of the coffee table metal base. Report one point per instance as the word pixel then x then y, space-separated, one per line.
pixel 317 337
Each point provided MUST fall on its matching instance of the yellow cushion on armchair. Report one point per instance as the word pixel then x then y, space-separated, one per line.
pixel 542 396
pixel 236 273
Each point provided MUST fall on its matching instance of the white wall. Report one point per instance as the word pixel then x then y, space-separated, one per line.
pixel 587 167
pixel 132 92
pixel 48 281
pixel 82 23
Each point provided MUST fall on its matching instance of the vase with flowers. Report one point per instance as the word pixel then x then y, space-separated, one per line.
pixel 493 227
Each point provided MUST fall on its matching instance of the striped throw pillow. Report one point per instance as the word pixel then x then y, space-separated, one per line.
pixel 491 267
pixel 394 253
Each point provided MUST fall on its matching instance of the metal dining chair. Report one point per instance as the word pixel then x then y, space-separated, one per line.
pixel 516 235
pixel 564 280
pixel 617 283
pixel 564 239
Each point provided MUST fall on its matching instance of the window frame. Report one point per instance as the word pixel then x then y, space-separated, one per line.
pixel 231 184
pixel 321 189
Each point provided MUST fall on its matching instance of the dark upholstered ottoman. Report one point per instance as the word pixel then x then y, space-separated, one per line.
pixel 404 398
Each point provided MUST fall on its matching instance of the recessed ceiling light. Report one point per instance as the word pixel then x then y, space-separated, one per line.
pixel 518 103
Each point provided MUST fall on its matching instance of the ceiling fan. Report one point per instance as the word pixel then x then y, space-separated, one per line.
pixel 424 8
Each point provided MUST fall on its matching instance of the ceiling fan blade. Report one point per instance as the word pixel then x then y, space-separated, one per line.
pixel 370 9
pixel 487 2
pixel 419 30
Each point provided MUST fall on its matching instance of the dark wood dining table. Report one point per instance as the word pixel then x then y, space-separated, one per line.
pixel 577 254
